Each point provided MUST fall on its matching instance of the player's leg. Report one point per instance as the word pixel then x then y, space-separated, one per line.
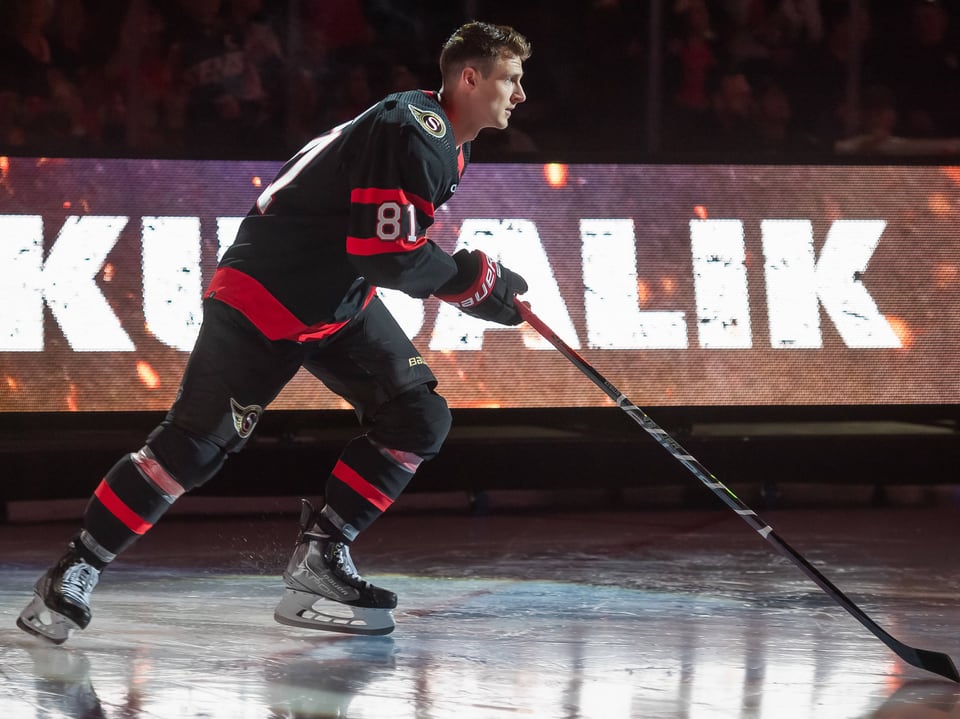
pixel 375 367
pixel 217 407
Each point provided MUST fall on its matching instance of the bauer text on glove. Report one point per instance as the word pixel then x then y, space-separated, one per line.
pixel 484 288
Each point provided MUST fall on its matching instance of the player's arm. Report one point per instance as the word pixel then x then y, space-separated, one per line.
pixel 388 243
pixel 395 177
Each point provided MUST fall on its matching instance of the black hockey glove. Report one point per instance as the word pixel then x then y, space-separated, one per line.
pixel 484 288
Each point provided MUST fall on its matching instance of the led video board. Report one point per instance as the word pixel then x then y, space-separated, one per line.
pixel 684 285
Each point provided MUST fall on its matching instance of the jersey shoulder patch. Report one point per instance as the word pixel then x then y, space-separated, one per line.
pixel 428 120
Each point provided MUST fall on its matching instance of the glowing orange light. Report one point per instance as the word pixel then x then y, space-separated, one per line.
pixel 4 165
pixel 108 272
pixel 12 383
pixel 945 274
pixel 67 204
pixel 148 375
pixel 668 284
pixel 700 211
pixel 643 292
pixel 257 182
pixel 72 398
pixel 902 330
pixel 939 204
pixel 555 174
pixel 953 173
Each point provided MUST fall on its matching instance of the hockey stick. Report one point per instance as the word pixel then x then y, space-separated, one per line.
pixel 935 662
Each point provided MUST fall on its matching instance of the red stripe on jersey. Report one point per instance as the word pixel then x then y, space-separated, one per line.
pixel 460 161
pixel 358 484
pixel 118 508
pixel 254 301
pixel 377 196
pixel 375 246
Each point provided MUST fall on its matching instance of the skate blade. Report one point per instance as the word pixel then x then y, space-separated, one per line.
pixel 43 622
pixel 302 609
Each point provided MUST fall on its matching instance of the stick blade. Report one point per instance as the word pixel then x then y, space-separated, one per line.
pixel 936 662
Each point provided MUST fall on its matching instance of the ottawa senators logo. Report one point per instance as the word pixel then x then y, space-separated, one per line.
pixel 245 418
pixel 429 121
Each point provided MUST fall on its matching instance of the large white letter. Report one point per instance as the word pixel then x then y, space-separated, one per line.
pixel 72 295
pixel 790 267
pixel 797 284
pixel 21 291
pixel 720 284
pixel 517 244
pixel 226 233
pixel 172 286
pixel 407 310
pixel 611 297
pixel 844 257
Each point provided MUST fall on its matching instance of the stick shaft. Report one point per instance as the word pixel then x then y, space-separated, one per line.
pixel 931 661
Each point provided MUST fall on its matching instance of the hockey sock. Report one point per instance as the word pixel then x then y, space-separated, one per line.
pixel 364 483
pixel 133 495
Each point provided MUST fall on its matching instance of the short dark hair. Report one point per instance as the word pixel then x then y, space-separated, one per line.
pixel 481 43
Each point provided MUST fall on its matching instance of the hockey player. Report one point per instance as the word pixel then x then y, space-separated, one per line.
pixel 297 288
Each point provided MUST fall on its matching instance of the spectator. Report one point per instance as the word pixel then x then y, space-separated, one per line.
pixel 692 54
pixel 140 78
pixel 354 94
pixel 312 78
pixel 729 123
pixel 251 28
pixel 925 71
pixel 879 119
pixel 346 33
pixel 732 125
pixel 823 90
pixel 42 107
pixel 220 94
pixel 778 135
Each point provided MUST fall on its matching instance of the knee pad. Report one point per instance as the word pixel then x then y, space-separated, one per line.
pixel 416 421
pixel 189 459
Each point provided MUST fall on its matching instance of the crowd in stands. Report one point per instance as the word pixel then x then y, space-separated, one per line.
pixel 633 79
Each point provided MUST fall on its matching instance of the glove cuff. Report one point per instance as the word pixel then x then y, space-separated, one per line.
pixel 486 270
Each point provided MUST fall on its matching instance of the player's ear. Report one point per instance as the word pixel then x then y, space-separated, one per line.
pixel 469 76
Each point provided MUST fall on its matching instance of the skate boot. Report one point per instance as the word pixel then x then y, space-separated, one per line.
pixel 61 601
pixel 323 589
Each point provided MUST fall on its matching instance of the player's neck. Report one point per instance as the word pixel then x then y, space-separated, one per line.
pixel 461 132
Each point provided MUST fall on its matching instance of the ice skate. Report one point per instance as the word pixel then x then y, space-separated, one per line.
pixel 323 589
pixel 61 601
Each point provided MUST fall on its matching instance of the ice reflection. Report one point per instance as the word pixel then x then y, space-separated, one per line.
pixel 671 634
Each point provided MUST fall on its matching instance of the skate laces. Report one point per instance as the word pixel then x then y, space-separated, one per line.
pixel 78 581
pixel 343 563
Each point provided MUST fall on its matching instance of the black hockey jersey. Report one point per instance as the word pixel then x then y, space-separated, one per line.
pixel 347 214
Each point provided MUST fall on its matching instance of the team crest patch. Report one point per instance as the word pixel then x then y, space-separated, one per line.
pixel 429 121
pixel 245 418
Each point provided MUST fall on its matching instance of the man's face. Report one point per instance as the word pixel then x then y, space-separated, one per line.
pixel 497 94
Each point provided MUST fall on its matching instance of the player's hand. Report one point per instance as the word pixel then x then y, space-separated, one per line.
pixel 484 288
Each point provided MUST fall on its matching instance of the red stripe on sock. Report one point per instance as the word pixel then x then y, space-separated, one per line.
pixel 116 506
pixel 361 486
